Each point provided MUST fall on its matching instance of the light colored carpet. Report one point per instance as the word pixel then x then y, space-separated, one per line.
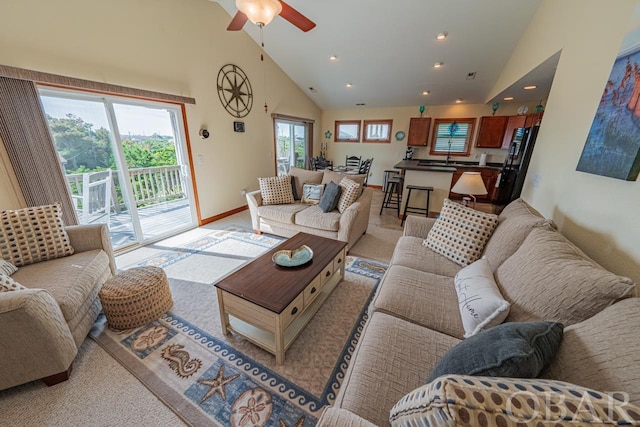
pixel 101 392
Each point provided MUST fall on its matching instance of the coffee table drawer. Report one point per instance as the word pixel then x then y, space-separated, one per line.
pixel 338 261
pixel 312 291
pixel 326 274
pixel 292 311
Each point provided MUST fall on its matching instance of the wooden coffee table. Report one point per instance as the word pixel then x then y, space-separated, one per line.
pixel 270 305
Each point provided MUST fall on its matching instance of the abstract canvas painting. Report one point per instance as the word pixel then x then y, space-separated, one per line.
pixel 613 145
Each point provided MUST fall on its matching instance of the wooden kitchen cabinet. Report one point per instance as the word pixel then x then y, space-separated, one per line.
pixel 514 123
pixel 489 177
pixel 491 132
pixel 419 131
pixel 533 119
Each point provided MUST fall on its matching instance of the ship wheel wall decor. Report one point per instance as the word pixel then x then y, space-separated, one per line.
pixel 234 90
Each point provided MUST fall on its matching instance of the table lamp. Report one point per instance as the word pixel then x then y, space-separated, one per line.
pixel 470 183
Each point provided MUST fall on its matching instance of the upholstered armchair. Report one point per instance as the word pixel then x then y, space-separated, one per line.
pixel 48 306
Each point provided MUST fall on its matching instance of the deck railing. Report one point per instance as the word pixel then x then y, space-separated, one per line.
pixel 149 185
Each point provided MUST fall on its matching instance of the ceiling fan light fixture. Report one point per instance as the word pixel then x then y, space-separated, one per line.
pixel 260 12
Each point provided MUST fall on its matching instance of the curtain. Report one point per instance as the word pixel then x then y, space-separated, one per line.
pixel 31 149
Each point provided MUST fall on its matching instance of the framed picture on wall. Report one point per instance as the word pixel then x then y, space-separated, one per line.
pixel 347 131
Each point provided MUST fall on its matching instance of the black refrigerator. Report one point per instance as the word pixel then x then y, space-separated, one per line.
pixel 514 169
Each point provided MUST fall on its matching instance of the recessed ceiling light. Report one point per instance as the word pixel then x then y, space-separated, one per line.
pixel 441 36
pixel 438 65
pixel 333 58
pixel 508 98
pixel 458 101
pixel 349 85
pixel 530 87
pixel 426 92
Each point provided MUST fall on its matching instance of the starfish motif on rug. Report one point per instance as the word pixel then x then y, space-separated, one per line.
pixel 217 384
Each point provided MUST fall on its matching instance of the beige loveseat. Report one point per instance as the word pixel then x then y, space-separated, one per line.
pixel 415 319
pixel 289 219
pixel 42 327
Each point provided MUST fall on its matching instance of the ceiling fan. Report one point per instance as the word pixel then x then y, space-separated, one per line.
pixel 261 12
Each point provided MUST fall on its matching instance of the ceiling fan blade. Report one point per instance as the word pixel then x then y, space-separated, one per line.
pixel 237 22
pixel 296 18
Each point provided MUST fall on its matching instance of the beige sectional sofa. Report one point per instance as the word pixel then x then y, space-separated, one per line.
pixel 289 219
pixel 42 327
pixel 415 319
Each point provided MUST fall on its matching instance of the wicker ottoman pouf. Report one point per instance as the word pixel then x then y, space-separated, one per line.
pixel 135 297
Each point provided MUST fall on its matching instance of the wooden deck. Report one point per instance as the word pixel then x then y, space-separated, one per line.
pixel 156 220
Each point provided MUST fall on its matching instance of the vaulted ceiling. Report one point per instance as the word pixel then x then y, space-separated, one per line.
pixel 387 50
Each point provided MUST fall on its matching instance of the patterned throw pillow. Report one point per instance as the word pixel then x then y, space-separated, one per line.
pixel 480 301
pixel 312 193
pixel 480 401
pixel 7 284
pixel 350 193
pixel 32 235
pixel 460 233
pixel 7 268
pixel 276 190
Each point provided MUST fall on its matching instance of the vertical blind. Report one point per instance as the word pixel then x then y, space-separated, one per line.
pixel 31 150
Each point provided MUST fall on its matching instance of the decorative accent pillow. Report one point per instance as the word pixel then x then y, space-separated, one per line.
pixel 294 189
pixel 480 302
pixel 331 197
pixel 460 233
pixel 276 190
pixel 33 234
pixel 457 400
pixel 517 350
pixel 311 193
pixel 350 193
pixel 7 284
pixel 7 268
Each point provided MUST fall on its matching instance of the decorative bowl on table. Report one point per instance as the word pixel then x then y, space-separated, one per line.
pixel 293 257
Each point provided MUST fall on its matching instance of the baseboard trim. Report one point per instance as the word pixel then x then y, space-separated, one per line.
pixel 223 215
pixel 378 187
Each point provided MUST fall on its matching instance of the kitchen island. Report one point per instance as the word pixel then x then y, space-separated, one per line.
pixel 427 174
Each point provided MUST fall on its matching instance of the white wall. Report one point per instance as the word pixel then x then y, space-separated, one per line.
pixel 172 46
pixel 599 214
pixel 387 155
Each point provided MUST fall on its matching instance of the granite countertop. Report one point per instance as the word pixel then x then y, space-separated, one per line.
pixel 429 165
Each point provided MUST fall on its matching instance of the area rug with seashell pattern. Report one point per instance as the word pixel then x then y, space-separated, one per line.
pixel 208 378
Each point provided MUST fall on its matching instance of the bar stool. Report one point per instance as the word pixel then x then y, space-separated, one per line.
pixel 392 194
pixel 415 209
pixel 388 174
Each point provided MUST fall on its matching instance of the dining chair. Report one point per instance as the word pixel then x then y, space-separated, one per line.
pixel 365 167
pixel 353 161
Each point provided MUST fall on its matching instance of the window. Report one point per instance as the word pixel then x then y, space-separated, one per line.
pixel 452 136
pixel 377 130
pixel 347 131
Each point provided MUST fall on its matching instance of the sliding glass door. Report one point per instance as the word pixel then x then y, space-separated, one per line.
pixel 293 143
pixel 125 162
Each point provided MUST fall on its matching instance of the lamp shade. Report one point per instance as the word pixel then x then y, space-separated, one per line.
pixel 470 183
pixel 259 12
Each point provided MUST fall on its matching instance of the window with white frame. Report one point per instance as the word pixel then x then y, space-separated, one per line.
pixel 452 136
